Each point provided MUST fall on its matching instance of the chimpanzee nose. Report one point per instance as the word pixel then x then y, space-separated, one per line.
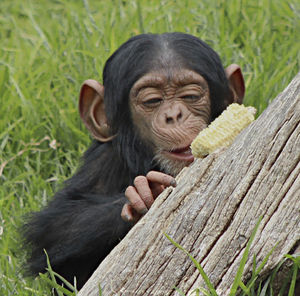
pixel 174 115
pixel 171 119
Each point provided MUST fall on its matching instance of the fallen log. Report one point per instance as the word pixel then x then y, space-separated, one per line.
pixel 213 211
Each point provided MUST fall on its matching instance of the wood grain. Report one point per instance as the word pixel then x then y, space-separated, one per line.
pixel 213 210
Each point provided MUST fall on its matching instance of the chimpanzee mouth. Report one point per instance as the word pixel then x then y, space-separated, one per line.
pixel 182 154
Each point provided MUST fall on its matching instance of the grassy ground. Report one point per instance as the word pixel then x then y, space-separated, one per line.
pixel 47 48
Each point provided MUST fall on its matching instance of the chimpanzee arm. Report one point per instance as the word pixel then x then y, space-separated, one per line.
pixel 77 234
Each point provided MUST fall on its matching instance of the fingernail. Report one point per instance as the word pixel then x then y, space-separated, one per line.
pixel 173 183
pixel 127 218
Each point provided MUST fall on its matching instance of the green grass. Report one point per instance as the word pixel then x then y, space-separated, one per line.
pixel 48 48
pixel 255 286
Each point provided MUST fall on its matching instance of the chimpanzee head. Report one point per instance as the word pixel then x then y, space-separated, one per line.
pixel 158 92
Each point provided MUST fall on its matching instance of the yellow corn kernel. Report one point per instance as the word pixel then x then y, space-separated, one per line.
pixel 223 130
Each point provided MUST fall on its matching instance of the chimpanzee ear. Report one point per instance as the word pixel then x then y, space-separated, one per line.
pixel 92 112
pixel 236 82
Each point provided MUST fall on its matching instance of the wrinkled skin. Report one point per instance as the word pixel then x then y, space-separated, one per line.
pixel 169 108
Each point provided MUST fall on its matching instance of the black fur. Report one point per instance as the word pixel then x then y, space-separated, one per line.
pixel 82 223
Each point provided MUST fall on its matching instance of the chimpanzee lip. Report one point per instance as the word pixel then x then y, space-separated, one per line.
pixel 181 150
pixel 182 154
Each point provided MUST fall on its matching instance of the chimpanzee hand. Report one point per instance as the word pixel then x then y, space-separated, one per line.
pixel 142 195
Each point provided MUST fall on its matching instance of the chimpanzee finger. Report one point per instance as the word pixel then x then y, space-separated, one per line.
pixel 157 189
pixel 128 214
pixel 142 186
pixel 135 200
pixel 161 178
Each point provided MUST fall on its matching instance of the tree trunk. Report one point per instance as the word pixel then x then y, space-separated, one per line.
pixel 212 213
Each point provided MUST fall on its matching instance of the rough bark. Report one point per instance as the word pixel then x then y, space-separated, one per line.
pixel 213 210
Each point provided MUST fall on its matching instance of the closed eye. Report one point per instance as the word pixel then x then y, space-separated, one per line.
pixel 152 102
pixel 191 97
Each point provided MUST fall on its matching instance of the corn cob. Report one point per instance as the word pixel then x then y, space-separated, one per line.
pixel 223 130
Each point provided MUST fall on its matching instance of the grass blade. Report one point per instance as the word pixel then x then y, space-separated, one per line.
pixel 239 274
pixel 197 264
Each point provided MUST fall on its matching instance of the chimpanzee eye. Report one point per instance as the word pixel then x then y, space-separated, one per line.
pixel 152 102
pixel 191 97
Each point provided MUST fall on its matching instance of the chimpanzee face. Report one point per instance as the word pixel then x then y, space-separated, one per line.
pixel 169 107
pixel 158 92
